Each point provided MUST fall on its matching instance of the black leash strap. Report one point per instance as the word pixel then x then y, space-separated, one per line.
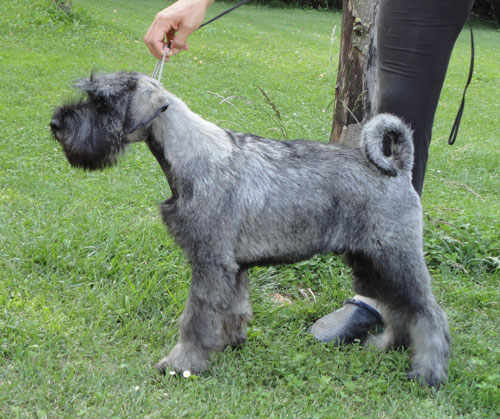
pixel 241 3
pixel 456 124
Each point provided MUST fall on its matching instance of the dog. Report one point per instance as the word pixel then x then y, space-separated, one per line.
pixel 239 200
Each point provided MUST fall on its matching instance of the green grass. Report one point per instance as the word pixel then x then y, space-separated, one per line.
pixel 91 285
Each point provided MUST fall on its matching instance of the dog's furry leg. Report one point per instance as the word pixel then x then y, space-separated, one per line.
pixel 430 345
pixel 426 333
pixel 214 317
pixel 369 283
pixel 239 312
pixel 365 275
pixel 412 316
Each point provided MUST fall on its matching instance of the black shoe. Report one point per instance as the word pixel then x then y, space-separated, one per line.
pixel 353 321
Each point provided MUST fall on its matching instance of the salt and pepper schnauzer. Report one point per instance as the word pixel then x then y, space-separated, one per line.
pixel 239 200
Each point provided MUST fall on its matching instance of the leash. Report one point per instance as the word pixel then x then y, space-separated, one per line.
pixel 241 3
pixel 458 118
pixel 157 72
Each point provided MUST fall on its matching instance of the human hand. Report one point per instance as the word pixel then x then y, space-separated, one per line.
pixel 177 22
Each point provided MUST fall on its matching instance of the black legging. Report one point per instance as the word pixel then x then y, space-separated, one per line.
pixel 414 40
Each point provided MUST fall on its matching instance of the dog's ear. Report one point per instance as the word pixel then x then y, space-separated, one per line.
pixel 147 102
pixel 107 87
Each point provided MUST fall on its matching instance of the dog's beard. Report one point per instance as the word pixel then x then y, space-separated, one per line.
pixel 90 141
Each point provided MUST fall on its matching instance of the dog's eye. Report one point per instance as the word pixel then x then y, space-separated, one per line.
pixel 101 106
pixel 97 101
pixel 67 113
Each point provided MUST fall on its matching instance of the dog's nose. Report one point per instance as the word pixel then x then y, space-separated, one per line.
pixel 55 125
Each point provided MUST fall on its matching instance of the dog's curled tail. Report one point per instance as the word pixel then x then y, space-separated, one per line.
pixel 388 144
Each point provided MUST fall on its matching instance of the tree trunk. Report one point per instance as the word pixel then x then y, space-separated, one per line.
pixel 356 79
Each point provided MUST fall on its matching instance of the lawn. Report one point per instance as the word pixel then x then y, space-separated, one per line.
pixel 91 285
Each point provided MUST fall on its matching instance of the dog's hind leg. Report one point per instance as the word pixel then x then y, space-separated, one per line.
pixel 239 312
pixel 412 315
pixel 430 341
pixel 214 316
pixel 369 283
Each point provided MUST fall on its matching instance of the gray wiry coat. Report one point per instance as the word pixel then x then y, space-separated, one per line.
pixel 239 200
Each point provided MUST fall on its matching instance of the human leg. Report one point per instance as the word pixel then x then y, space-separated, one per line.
pixel 414 45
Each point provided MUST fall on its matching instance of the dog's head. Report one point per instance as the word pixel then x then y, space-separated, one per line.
pixel 118 109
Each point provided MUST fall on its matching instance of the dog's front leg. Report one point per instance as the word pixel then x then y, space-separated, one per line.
pixel 214 317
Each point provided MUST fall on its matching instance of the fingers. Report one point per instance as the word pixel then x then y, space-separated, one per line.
pixel 155 36
pixel 176 23
pixel 179 40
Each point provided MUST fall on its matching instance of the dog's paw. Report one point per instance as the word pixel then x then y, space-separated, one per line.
pixel 434 378
pixel 381 342
pixel 179 360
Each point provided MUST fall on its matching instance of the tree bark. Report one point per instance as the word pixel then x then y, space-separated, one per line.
pixel 355 90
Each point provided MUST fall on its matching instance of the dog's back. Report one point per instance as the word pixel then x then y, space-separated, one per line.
pixel 296 168
pixel 386 145
pixel 296 198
